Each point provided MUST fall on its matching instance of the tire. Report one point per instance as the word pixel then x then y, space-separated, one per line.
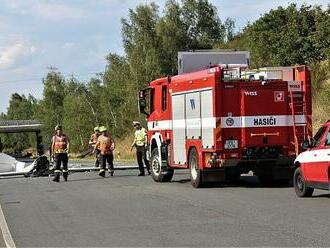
pixel 195 172
pixel 302 190
pixel 158 173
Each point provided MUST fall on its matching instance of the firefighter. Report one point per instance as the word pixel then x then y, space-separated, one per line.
pixel 140 145
pixel 60 149
pixel 106 145
pixel 92 142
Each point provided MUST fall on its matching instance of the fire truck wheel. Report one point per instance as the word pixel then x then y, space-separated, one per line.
pixel 195 172
pixel 159 173
pixel 302 190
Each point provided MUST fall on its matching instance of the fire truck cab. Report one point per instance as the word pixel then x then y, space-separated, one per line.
pixel 226 120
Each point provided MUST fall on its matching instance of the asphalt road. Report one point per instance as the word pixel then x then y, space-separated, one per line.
pixel 127 210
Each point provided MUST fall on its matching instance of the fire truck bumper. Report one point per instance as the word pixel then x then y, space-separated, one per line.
pixel 279 168
pixel 213 175
pixel 264 162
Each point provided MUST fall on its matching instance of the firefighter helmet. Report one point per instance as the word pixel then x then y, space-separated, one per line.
pixel 103 129
pixel 136 123
pixel 58 127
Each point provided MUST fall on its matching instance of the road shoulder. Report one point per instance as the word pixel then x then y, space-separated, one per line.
pixel 2 242
pixel 5 237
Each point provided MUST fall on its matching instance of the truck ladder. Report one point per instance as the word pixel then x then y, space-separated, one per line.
pixel 294 105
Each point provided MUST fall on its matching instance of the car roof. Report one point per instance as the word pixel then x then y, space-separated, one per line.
pixel 327 123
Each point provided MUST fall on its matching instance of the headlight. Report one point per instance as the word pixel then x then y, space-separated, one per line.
pixel 231 144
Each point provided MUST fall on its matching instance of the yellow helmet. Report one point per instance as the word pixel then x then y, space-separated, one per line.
pixel 103 129
pixel 96 129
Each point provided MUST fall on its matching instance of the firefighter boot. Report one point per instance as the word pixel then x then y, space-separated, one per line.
pixel 102 173
pixel 97 163
pixel 65 175
pixel 56 177
pixel 111 172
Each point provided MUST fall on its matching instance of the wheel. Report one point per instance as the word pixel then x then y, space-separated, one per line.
pixel 195 172
pixel 159 173
pixel 302 190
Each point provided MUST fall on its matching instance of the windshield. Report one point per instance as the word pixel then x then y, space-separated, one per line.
pixel 327 141
pixel 318 136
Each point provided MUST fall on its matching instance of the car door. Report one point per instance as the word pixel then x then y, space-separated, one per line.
pixel 313 161
pixel 323 172
pixel 321 157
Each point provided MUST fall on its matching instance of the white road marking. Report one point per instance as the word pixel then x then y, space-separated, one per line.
pixel 5 231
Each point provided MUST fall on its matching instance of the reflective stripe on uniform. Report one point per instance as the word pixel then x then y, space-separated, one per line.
pixel 60 143
pixel 105 144
pixel 60 151
pixel 57 171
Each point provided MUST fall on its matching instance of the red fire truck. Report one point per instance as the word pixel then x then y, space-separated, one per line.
pixel 226 120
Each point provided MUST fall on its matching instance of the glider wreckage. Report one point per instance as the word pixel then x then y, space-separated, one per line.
pixel 41 166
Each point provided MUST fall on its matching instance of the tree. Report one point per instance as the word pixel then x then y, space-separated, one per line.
pixel 119 95
pixel 141 43
pixel 204 26
pixel 173 36
pixel 50 110
pixel 229 27
pixel 78 117
pixel 20 108
pixel 321 35
pixel 284 36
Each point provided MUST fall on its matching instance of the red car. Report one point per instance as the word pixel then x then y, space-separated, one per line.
pixel 313 166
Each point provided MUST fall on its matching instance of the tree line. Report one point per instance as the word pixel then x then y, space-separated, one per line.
pixel 151 40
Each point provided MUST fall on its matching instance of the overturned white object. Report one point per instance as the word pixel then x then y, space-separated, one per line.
pixel 10 164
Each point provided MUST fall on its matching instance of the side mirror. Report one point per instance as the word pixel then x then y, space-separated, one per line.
pixel 305 145
pixel 142 103
pixel 308 144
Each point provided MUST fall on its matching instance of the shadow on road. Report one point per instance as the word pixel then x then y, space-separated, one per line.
pixel 85 179
pixel 11 177
pixel 244 182
pixel 321 196
pixel 181 181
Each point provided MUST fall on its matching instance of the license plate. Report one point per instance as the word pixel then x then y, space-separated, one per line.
pixel 231 144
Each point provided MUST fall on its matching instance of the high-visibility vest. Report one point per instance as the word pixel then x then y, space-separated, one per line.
pixel 105 144
pixel 140 137
pixel 60 143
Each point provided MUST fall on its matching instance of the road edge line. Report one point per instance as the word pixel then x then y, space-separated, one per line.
pixel 5 231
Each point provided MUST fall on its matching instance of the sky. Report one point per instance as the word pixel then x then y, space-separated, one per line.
pixel 74 36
